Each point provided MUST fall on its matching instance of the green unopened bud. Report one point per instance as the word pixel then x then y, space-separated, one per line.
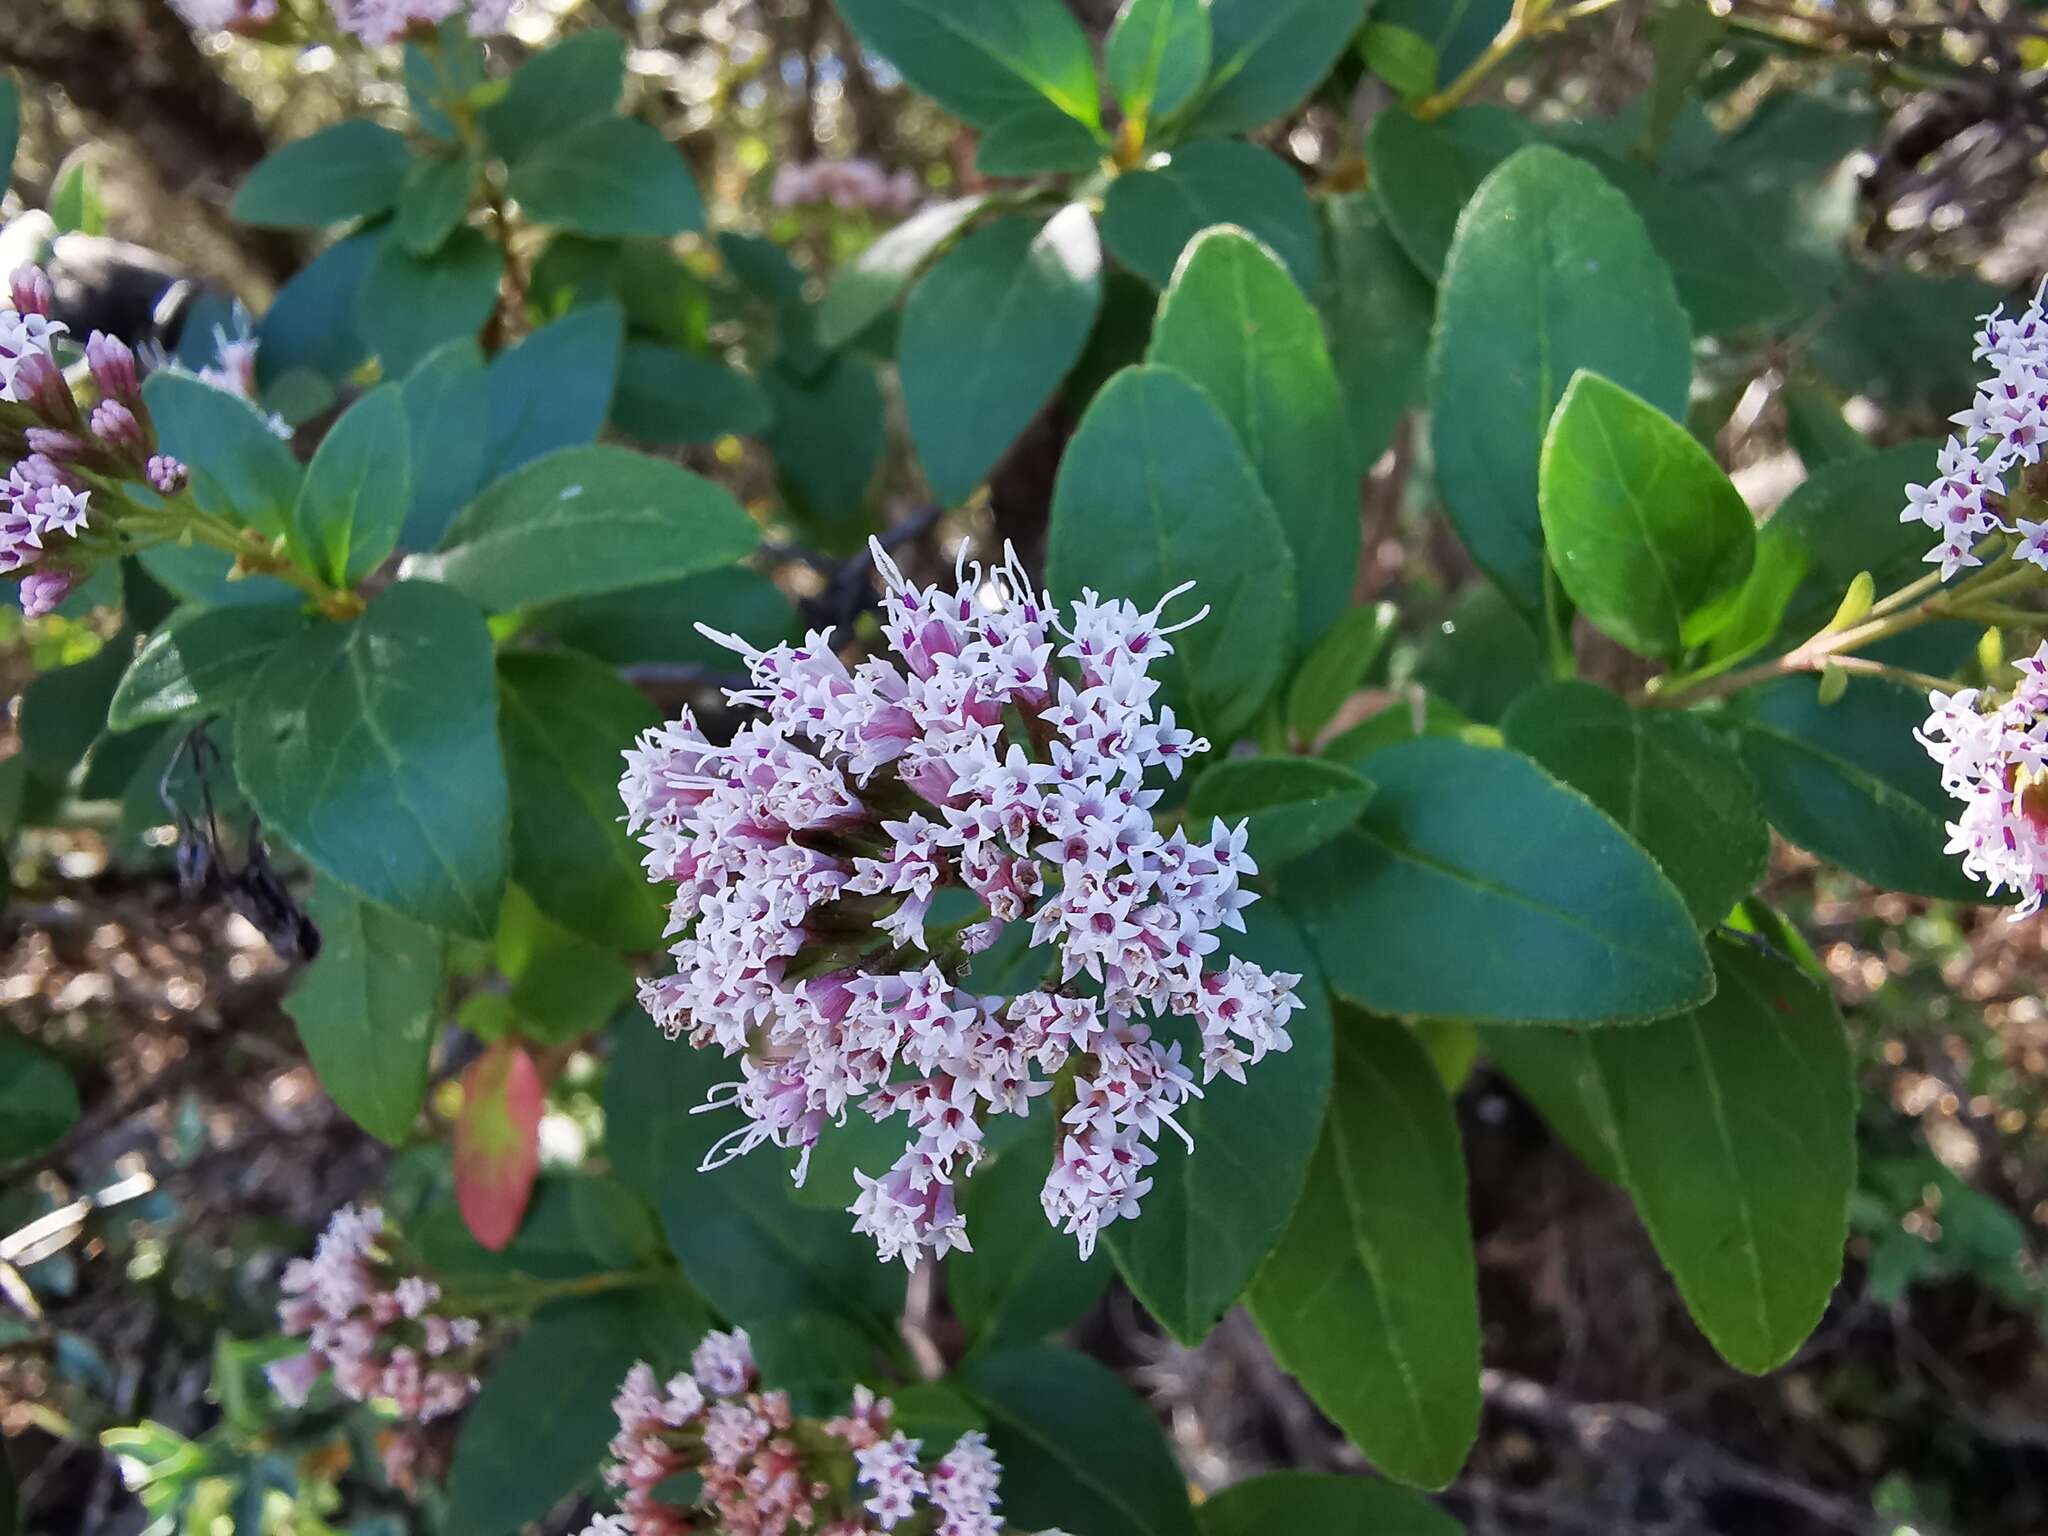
pixel 1855 602
pixel 1834 682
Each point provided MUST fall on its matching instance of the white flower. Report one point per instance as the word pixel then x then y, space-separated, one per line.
pixel 1994 761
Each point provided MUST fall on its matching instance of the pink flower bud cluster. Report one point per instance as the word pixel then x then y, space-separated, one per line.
pixel 376 23
pixel 765 1471
pixel 2004 429
pixel 374 1329
pixel 209 16
pixel 1003 751
pixel 1994 759
pixel 848 185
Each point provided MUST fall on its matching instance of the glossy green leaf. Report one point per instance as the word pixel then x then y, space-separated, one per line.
pixel 1330 673
pixel 1149 216
pixel 1848 783
pixel 350 171
pixel 1404 59
pixel 1213 1214
pixel 566 84
pixel 1648 536
pixel 1077 1448
pixel 669 396
pixel 200 662
pixel 1157 55
pixel 1558 1072
pixel 1668 781
pixel 372 748
pixel 1153 492
pixel 76 207
pixel 38 1100
pixel 357 491
pixel 609 176
pixel 1234 324
pixel 1550 273
pixel 1424 172
pixel 1371 1298
pixel 587 520
pixel 1025 1278
pixel 562 987
pixel 1481 657
pixel 1738 1123
pixel 1293 804
pixel 864 289
pixel 311 324
pixel 240 468
pixel 987 336
pixel 408 305
pixel 987 62
pixel 1757 611
pixel 433 202
pixel 1038 141
pixel 1312 1501
pixel 1459 31
pixel 448 409
pixel 1830 516
pixel 1581 926
pixel 1377 310
pixel 565 721
pixel 554 389
pixel 368 1010
pixel 1267 55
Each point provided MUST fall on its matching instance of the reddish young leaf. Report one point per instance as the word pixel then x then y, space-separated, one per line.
pixel 497 1142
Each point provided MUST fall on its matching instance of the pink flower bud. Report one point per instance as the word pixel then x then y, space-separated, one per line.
pixel 55 443
pixel 29 288
pixel 118 430
pixel 113 368
pixel 39 384
pixel 42 591
pixel 167 476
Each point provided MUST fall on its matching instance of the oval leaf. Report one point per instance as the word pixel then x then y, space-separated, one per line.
pixel 372 748
pixel 408 305
pixel 1424 172
pixel 241 469
pixel 669 396
pixel 1158 55
pixel 1371 1299
pixel 200 663
pixel 611 176
pixel 497 1142
pixel 1378 310
pixel 357 490
pixel 863 289
pixel 1024 1278
pixel 352 170
pixel 1309 1501
pixel 1267 56
pixel 1580 926
pixel 1294 804
pixel 984 63
pixel 1149 216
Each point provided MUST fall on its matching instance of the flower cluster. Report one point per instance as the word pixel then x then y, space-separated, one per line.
pixel 764 1471
pixel 56 445
pixel 376 23
pixel 1006 757
pixel 848 185
pixel 375 1328
pixel 2004 429
pixel 1994 759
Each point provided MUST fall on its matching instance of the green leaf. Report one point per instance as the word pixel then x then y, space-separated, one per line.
pixel 443 74
pixel 200 662
pixel 433 201
pixel 554 389
pixel 1154 491
pixel 1558 1072
pixel 1150 216
pixel 10 125
pixel 1550 273
pixel 409 305
pixel 1371 1299
pixel 1580 925
pixel 610 176
pixel 1294 804
pixel 864 289
pixel 1893 335
pixel 562 987
pixel 1667 780
pixel 1077 1448
pixel 563 86
pixel 565 721
pixel 1311 1501
pixel 1482 657
pixel 1756 613
pixel 987 336
pixel 1738 1122
pixel 368 1010
pixel 372 748
pixel 656 623
pixel 1404 59
pixel 1378 310
pixel 538 1430
pixel 1234 324
pixel 241 469
pixel 1037 141
pixel 583 521
pixel 76 207
pixel 827 438
pixel 1267 56
pixel 63 712
pixel 1158 56
pixel 749 1248
pixel 311 324
pixel 448 406
pixel 1025 1279
pixel 1830 516
pixel 1459 32
pixel 1213 1215
pixel 38 1100
pixel 669 396
pixel 1648 536
pixel 1330 673
pixel 357 491
pixel 984 63
pixel 1848 783
pixel 1424 172
pixel 352 170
